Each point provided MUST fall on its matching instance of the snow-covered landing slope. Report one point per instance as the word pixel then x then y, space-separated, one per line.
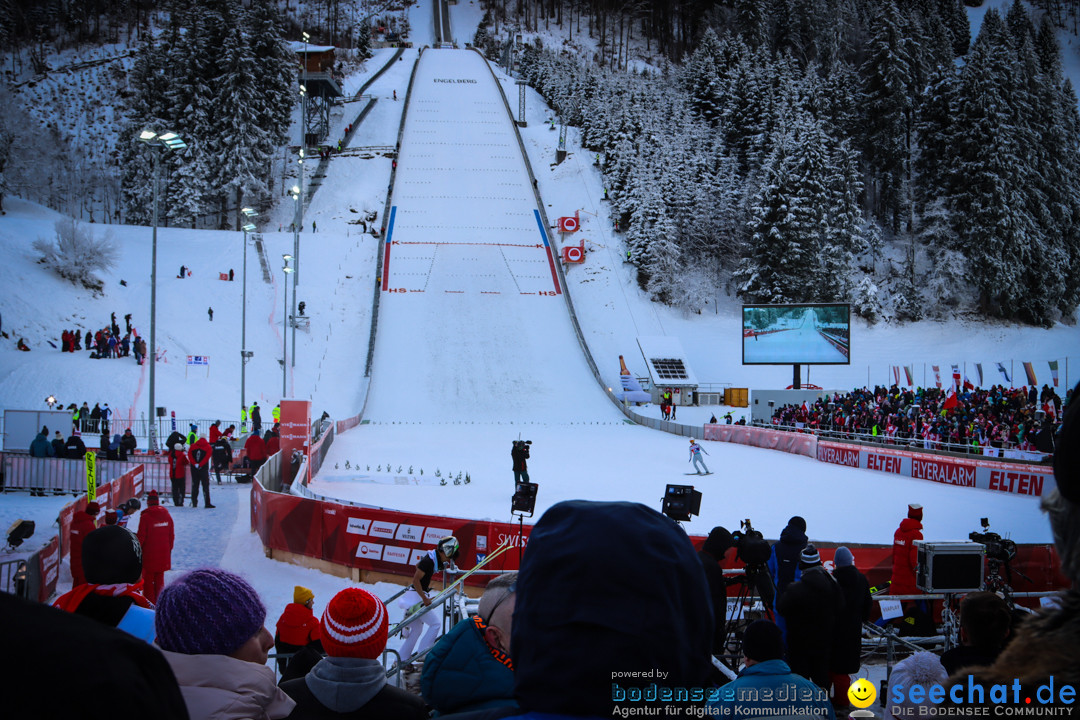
pixel 472 323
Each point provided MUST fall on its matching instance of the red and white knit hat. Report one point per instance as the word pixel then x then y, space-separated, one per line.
pixel 354 624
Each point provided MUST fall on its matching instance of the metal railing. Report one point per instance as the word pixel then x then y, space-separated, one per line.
pixel 60 476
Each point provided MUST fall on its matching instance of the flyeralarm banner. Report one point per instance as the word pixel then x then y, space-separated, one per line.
pixel 1001 477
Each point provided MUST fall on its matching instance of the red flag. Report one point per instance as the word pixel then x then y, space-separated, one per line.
pixel 968 385
pixel 951 401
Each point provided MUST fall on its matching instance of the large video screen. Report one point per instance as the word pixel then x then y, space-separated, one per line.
pixel 809 334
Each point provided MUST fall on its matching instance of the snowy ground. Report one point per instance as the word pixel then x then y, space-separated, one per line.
pixel 459 375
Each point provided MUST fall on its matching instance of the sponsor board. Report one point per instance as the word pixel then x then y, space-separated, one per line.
pixel 380 528
pixel 433 535
pixel 982 474
pixel 358 526
pixel 369 551
pixel 410 533
pixel 395 554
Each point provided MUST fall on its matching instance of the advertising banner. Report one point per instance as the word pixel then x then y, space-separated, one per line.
pixel 1002 477
pixel 295 433
pixel 795 443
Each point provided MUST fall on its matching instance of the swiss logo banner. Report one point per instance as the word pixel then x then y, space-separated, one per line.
pixel 568 224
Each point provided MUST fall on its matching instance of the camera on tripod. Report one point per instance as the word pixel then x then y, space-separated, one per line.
pixel 997 548
pixel 750 545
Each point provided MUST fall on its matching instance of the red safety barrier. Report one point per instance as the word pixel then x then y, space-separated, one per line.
pixel 795 443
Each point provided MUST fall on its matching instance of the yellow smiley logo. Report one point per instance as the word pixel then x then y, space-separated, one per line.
pixel 862 693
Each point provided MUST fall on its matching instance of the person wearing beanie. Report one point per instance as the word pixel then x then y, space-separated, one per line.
pixel 810 607
pixel 199 455
pixel 711 556
pixel 112 564
pixel 59 446
pixel 82 524
pixel 111 517
pixel 297 628
pixel 156 536
pixel 178 463
pixel 433 561
pixel 784 560
pixel 765 677
pixel 905 556
pixel 470 668
pixel 193 434
pixel 636 599
pixel 924 669
pixel 209 625
pixel 350 682
pixel 846 657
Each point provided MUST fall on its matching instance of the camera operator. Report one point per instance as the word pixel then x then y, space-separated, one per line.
pixel 712 560
pixel 520 454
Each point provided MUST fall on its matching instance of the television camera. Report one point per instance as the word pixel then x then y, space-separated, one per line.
pixel 754 551
pixel 999 554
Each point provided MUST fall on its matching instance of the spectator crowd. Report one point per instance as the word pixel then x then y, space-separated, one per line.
pixel 998 417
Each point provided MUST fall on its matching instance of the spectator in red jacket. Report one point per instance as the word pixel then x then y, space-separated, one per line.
pixel 81 525
pixel 256 452
pixel 200 454
pixel 156 537
pixel 215 431
pixel 905 555
pixel 272 441
pixel 297 627
pixel 178 463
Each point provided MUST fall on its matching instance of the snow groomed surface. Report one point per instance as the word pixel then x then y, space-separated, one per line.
pixel 471 308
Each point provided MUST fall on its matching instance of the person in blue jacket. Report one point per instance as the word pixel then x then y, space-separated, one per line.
pixel 766 685
pixel 470 667
pixel 41 447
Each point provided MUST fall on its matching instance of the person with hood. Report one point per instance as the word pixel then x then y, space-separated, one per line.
pixel 75 448
pixel 116 449
pixel 350 682
pixel 215 431
pixel 470 667
pixel 255 450
pixel 199 455
pixel 209 625
pixel 905 556
pixel 765 679
pixel 784 560
pixel 178 463
pixel 433 561
pixel 846 657
pixel 40 447
pixel 810 606
pixel 711 556
pixel 1043 648
pixel 156 536
pixel 297 627
pixel 82 524
pixel 576 629
pixel 112 563
pixel 58 445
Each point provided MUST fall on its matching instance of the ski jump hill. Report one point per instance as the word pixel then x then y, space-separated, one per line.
pixel 476 346
pixel 472 306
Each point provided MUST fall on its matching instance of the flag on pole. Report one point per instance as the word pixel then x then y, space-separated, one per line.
pixel 910 378
pixel 1054 371
pixel 967 384
pixel 951 401
pixel 978 371
pixel 956 376
pixel 1030 374
pixel 896 375
pixel 937 375
pixel 1004 372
